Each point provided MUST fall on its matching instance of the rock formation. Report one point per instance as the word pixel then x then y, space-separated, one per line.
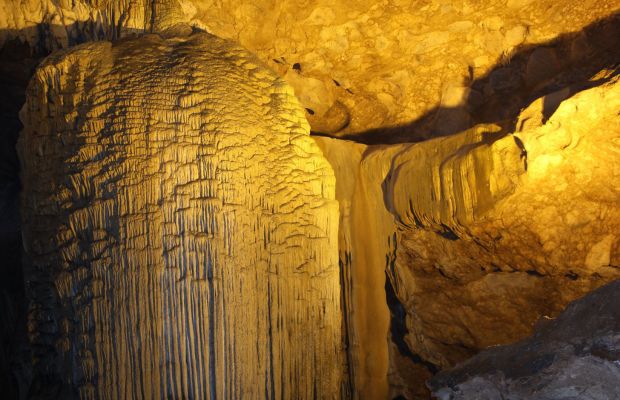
pixel 481 233
pixel 180 227
pixel 399 71
pixel 498 231
pixel 385 72
pixel 576 356
pixel 366 229
pixel 474 146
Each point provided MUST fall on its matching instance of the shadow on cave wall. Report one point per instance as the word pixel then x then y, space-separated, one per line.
pixel 568 61
pixel 531 71
pixel 18 61
pixel 569 64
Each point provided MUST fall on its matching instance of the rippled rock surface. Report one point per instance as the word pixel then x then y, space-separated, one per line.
pixel 180 227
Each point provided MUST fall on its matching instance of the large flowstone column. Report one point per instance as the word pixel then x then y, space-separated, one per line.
pixel 180 227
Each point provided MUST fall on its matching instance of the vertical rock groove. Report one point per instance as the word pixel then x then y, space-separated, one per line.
pixel 180 226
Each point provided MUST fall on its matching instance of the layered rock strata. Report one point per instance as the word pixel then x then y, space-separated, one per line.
pixel 180 227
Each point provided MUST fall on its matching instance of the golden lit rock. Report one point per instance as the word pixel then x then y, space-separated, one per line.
pixel 366 229
pixel 358 66
pixel 522 220
pixel 473 189
pixel 488 232
pixel 180 226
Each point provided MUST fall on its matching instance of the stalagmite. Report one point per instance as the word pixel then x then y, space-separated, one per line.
pixel 469 188
pixel 180 227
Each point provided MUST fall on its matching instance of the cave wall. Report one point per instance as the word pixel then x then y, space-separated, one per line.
pixel 519 227
pixel 403 72
pixel 180 227
pixel 387 72
pixel 481 234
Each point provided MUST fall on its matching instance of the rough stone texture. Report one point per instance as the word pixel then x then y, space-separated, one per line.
pixel 497 231
pixel 576 356
pixel 61 23
pixel 385 72
pixel 481 233
pixel 180 227
pixel 403 71
pixel 403 67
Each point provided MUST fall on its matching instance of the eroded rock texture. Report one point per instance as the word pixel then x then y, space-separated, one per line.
pixel 387 72
pixel 180 227
pixel 505 215
pixel 497 231
pixel 55 24
pixel 481 233
pixel 576 356
pixel 403 70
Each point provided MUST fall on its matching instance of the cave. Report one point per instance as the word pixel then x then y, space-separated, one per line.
pixel 405 199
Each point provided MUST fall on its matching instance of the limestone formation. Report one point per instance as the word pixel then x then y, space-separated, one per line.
pixel 481 234
pixel 502 230
pixel 180 227
pixel 56 24
pixel 365 234
pixel 387 66
pixel 474 146
pixel 576 356
pixel 403 70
